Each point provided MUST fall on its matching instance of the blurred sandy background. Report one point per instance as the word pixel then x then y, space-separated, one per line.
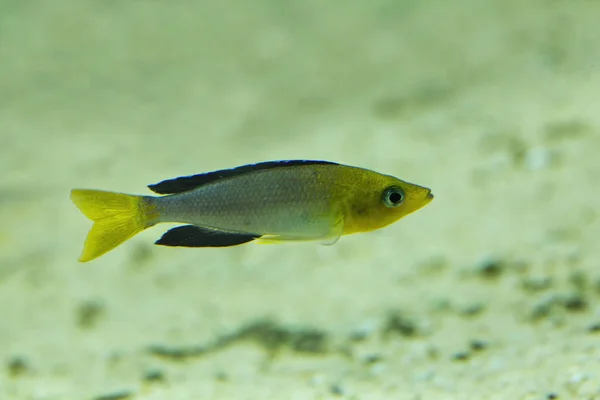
pixel 490 292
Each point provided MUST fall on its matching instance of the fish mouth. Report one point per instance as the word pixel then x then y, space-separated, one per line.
pixel 429 196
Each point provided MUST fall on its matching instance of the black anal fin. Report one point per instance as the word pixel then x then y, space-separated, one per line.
pixel 196 236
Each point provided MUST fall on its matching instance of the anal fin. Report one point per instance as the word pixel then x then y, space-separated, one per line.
pixel 196 236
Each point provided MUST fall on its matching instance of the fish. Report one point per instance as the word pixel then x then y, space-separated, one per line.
pixel 268 202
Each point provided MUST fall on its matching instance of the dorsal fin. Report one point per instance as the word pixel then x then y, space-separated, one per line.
pixel 185 183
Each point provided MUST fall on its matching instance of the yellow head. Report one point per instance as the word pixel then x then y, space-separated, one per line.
pixel 376 200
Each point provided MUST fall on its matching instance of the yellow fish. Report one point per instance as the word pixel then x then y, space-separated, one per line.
pixel 269 202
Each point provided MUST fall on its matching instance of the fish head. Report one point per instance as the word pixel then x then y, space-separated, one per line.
pixel 382 200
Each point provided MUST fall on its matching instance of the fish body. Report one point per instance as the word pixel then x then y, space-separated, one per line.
pixel 268 202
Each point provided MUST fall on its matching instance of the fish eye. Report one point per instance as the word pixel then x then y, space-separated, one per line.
pixel 393 196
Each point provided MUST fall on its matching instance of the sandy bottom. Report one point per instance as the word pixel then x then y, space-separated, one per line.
pixel 490 292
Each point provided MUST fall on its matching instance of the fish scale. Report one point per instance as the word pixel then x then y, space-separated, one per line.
pixel 270 202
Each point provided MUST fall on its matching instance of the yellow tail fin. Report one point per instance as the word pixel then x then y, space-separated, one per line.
pixel 117 217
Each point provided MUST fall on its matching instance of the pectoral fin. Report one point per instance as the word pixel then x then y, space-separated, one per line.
pixel 196 236
pixel 335 234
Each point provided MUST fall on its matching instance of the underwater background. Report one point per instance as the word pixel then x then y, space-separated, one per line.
pixel 492 291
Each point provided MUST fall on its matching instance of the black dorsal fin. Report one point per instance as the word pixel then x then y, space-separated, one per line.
pixel 185 183
pixel 196 236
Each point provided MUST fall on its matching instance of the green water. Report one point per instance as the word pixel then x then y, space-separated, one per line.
pixel 490 292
